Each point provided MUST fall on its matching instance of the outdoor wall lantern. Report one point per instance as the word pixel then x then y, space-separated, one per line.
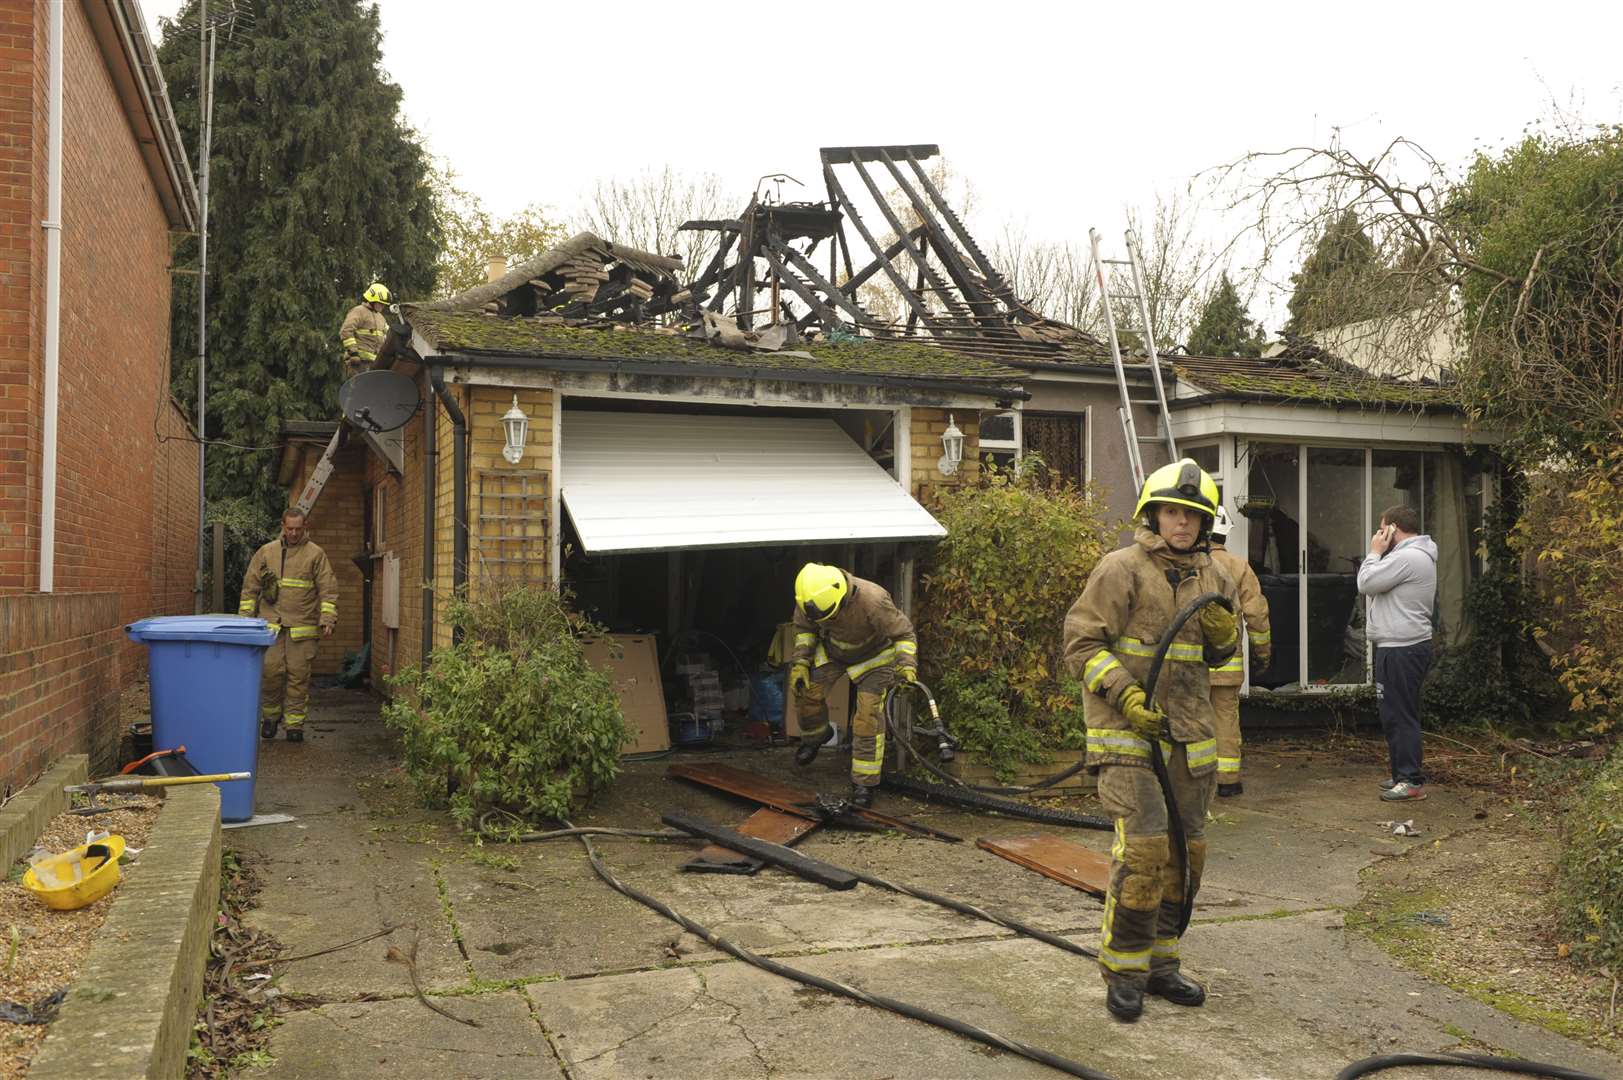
pixel 517 426
pixel 952 446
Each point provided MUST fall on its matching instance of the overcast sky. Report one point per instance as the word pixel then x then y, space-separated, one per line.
pixel 1059 114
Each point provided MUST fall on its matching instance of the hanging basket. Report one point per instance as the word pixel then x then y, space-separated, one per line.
pixel 1258 506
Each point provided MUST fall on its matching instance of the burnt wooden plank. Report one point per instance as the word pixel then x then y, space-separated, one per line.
pixel 764 824
pixel 789 798
pixel 835 877
pixel 1065 862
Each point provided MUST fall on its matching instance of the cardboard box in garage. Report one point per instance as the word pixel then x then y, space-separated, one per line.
pixel 632 662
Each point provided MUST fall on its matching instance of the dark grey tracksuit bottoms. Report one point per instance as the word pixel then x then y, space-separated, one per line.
pixel 1398 675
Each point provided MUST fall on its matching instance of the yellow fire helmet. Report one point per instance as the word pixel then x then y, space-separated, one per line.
pixel 1183 483
pixel 376 293
pixel 819 590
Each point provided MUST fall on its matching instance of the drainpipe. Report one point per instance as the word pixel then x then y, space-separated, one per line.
pixel 459 493
pixel 53 302
pixel 431 464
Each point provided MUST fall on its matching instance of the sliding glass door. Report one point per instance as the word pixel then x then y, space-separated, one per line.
pixel 1310 511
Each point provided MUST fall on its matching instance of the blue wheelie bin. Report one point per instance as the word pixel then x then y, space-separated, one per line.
pixel 204 673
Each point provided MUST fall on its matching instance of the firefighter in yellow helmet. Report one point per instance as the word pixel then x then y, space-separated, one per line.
pixel 845 625
pixel 364 330
pixel 1111 634
pixel 290 584
pixel 1227 678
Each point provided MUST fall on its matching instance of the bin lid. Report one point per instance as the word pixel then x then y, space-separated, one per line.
pixel 226 629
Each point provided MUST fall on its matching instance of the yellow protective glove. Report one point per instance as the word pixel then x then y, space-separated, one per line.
pixel 1144 718
pixel 1217 623
pixel 1261 657
pixel 799 677
pixel 909 675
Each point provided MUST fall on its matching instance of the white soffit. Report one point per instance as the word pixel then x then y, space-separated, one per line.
pixel 663 481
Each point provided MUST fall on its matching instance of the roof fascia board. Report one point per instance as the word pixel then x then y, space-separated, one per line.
pixel 680 386
pixel 1323 424
pixel 133 65
pixel 909 391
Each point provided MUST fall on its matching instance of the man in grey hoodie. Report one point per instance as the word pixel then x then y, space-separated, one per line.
pixel 1400 579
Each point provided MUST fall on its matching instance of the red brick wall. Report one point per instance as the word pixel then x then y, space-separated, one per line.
pixel 20 85
pixel 123 509
pixel 58 682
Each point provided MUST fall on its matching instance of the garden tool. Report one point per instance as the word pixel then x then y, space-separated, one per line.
pixel 133 784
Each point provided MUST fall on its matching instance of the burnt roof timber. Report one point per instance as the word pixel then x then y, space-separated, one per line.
pixel 838 194
pixel 919 258
pixel 845 155
pixel 945 249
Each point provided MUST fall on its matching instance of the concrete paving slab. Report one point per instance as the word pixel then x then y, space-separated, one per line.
pixel 1293 996
pixel 388 1040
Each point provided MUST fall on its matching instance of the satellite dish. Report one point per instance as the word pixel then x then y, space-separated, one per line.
pixel 378 401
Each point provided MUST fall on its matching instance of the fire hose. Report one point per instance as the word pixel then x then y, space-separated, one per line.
pixel 979 1034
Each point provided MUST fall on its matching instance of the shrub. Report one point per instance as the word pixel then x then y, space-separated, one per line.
pixel 992 612
pixel 1591 875
pixel 1575 531
pixel 1497 677
pixel 512 712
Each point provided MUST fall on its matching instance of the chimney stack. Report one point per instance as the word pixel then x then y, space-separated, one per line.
pixel 495 267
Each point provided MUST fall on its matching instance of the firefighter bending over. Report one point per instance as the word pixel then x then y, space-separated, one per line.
pixel 845 625
pixel 1111 635
pixel 291 585
pixel 364 330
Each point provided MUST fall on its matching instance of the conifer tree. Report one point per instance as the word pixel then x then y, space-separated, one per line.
pixel 1338 281
pixel 1224 328
pixel 317 188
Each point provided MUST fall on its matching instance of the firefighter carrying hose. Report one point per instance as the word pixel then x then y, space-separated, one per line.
pixel 291 585
pixel 364 329
pixel 1226 679
pixel 1111 633
pixel 845 625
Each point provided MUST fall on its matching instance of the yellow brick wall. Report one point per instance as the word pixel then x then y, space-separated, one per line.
pixel 445 513
pixel 390 650
pixel 486 465
pixel 927 428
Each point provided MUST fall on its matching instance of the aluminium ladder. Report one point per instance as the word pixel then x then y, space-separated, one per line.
pixel 1109 292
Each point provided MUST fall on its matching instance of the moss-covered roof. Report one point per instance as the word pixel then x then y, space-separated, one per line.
pixel 467 332
pixel 1308 383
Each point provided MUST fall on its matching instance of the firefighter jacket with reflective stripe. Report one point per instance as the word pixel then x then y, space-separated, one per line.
pixel 1253 613
pixel 363 333
pixel 306 588
pixel 868 625
pixel 1111 634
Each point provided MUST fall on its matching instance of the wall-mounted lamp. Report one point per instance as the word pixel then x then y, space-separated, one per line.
pixel 517 426
pixel 952 449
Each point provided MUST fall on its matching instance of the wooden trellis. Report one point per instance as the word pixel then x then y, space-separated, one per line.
pixel 511 526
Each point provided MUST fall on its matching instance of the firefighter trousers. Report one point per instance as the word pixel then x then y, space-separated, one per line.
pixel 1226 704
pixel 1145 898
pixel 867 723
pixel 284 691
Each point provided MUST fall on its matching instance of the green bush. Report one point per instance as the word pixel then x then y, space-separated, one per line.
pixel 513 712
pixel 1591 885
pixel 992 613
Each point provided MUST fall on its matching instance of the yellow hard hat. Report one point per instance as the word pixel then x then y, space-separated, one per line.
pixel 1183 483
pixel 819 589
pixel 376 293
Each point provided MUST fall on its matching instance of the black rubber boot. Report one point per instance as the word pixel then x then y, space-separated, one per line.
pixel 295 734
pixel 1125 1002
pixel 267 729
pixel 1177 988
pixel 861 798
pixel 1228 791
pixel 806 752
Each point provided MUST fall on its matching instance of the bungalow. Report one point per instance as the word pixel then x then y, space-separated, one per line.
pixel 574 432
pixel 674 484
